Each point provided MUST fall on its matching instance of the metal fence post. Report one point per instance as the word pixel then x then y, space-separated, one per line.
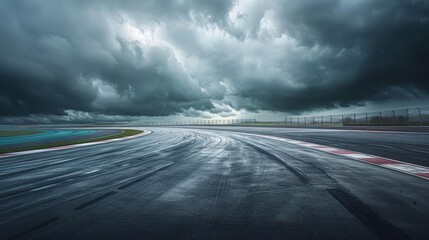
pixel 331 121
pixel 420 116
pixel 408 117
pixel 381 118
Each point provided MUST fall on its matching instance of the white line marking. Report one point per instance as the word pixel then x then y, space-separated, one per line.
pixel 310 145
pixel 328 149
pixel 356 155
pixel 407 168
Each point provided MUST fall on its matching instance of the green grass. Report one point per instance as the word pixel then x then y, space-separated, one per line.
pixel 13 133
pixel 124 133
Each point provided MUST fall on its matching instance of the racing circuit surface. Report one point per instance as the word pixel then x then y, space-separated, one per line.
pixel 219 183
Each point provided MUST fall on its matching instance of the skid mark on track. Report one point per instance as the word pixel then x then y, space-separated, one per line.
pixel 222 183
pixel 327 180
pixel 141 178
pixel 297 172
pixel 377 225
pixel 97 199
pixel 35 228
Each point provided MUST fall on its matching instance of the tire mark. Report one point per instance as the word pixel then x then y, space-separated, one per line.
pixel 377 225
pixel 222 183
pixel 149 174
pixel 35 228
pixel 97 199
pixel 297 172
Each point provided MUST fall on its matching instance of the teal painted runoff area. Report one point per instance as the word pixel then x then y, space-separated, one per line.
pixel 45 135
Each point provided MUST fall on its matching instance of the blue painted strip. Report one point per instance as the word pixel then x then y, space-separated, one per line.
pixel 45 135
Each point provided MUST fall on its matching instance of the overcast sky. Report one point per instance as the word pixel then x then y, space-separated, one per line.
pixel 121 60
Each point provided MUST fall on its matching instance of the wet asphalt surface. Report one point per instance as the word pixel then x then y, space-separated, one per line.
pixel 217 184
pixel 409 144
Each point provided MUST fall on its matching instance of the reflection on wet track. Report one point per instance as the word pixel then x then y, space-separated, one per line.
pixel 206 184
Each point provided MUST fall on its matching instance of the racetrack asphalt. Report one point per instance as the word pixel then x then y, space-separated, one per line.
pixel 218 183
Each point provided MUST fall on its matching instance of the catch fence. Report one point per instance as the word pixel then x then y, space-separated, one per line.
pixel 403 117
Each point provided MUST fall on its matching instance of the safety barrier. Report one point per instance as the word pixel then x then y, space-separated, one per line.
pixel 403 117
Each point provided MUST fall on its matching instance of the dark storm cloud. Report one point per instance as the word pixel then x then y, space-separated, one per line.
pixel 208 58
pixel 60 56
pixel 390 37
pixel 359 51
pixel 160 10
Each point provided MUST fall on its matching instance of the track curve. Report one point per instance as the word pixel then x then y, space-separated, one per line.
pixel 206 184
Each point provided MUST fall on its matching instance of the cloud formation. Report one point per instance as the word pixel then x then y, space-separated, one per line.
pixel 208 58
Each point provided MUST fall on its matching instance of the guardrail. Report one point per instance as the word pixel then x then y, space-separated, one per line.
pixel 202 122
pixel 402 117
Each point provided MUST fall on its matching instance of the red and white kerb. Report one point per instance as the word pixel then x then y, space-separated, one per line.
pixel 408 168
